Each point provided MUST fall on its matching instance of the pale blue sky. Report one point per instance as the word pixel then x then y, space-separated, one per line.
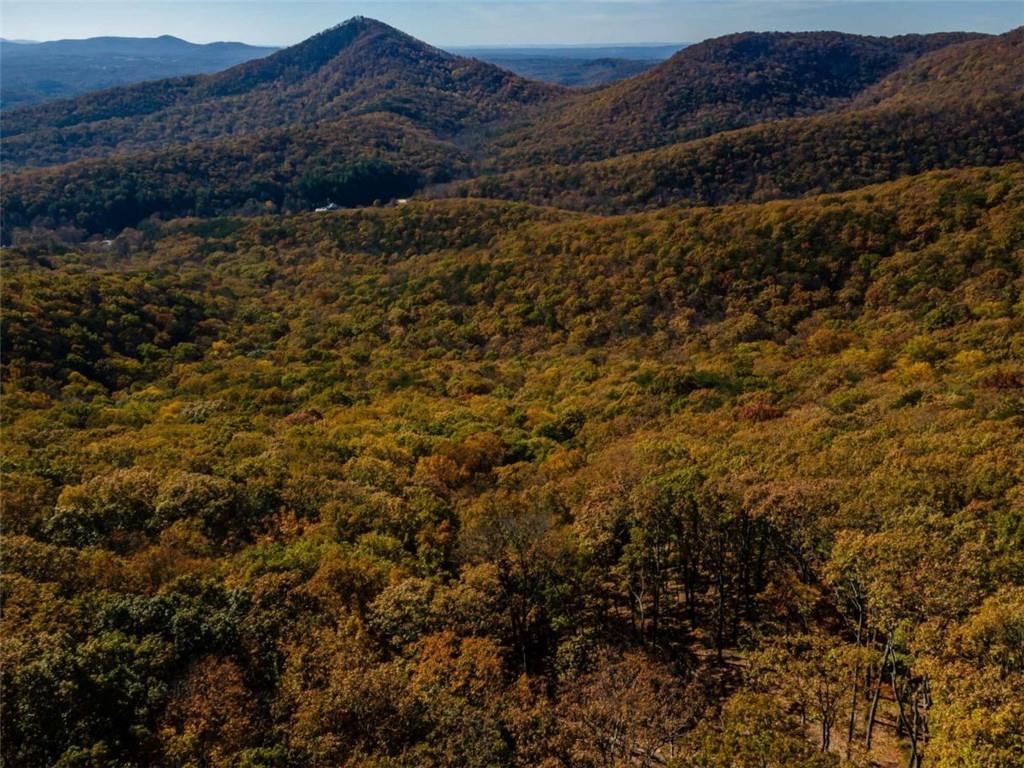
pixel 496 22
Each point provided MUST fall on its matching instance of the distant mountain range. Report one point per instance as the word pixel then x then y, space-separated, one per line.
pixel 651 52
pixel 364 112
pixel 720 84
pixel 573 72
pixel 36 72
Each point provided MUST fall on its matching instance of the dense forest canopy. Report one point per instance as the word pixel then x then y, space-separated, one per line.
pixel 359 67
pixel 717 85
pixel 351 161
pixel 474 465
pixel 823 112
pixel 701 456
pixel 786 158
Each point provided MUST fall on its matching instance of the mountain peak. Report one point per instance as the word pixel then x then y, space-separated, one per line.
pixel 361 29
pixel 364 24
pixel 304 58
pixel 361 66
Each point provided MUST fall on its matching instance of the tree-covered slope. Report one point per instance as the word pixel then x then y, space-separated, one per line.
pixel 946 118
pixel 469 482
pixel 362 112
pixel 936 112
pixel 786 158
pixel 359 67
pixel 348 162
pixel 720 84
pixel 972 70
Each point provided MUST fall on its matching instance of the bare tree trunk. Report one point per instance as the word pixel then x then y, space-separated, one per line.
pixel 853 689
pixel 915 758
pixel 690 590
pixel 901 721
pixel 873 709
pixel 656 599
pixel 518 633
pixel 720 600
pixel 926 703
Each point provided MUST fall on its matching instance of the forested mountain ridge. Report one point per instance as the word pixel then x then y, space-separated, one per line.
pixel 975 69
pixel 362 112
pixel 779 159
pixel 359 67
pixel 940 112
pixel 350 161
pixel 470 482
pixel 720 84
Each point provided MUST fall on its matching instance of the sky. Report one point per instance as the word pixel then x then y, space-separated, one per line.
pixel 497 22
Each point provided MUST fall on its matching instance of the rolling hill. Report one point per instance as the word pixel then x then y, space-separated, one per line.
pixel 717 85
pixel 976 69
pixel 776 160
pixel 363 112
pixel 266 475
pixel 935 113
pixel 349 161
pixel 947 118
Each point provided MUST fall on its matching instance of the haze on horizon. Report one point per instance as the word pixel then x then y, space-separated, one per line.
pixel 498 22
